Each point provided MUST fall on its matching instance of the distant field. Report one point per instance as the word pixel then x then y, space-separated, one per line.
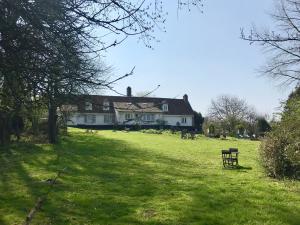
pixel 121 178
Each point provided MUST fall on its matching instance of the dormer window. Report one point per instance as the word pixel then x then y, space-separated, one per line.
pixel 165 108
pixel 88 106
pixel 106 105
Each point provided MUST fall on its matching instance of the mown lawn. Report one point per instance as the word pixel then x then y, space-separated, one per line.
pixel 134 178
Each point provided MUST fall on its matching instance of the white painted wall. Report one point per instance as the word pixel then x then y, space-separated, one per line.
pixel 120 117
pixel 173 119
pixel 78 119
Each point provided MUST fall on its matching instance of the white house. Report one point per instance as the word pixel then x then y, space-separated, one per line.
pixel 107 111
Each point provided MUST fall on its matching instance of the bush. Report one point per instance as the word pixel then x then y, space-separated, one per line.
pixel 280 149
pixel 171 132
pixel 151 131
pixel 279 154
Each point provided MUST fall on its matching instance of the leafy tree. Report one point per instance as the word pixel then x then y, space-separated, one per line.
pixel 262 126
pixel 211 128
pixel 198 121
pixel 48 48
pixel 281 149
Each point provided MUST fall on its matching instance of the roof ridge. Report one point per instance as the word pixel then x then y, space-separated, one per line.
pixel 142 97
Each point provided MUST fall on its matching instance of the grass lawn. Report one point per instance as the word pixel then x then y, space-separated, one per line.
pixel 123 178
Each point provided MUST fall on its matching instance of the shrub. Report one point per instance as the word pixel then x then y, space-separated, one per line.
pixel 279 155
pixel 280 149
pixel 171 132
pixel 151 131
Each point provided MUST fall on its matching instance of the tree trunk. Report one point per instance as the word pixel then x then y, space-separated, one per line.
pixel 35 125
pixel 4 129
pixel 52 123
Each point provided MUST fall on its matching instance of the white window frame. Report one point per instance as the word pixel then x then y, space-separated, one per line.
pixel 90 119
pixel 183 120
pixel 149 117
pixel 88 106
pixel 128 116
pixel 105 105
pixel 165 107
pixel 108 118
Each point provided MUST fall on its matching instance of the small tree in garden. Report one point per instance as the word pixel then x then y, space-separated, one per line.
pixel 211 128
pixel 198 121
pixel 240 129
pixel 281 148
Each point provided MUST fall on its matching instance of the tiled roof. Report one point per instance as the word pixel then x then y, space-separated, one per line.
pixel 139 104
pixel 137 107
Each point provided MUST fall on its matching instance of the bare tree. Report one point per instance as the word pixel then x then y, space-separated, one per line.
pixel 230 111
pixel 147 93
pixel 143 94
pixel 283 44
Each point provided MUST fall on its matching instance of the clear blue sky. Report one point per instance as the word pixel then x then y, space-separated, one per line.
pixel 203 56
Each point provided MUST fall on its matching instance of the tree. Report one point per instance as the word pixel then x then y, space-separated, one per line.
pixel 282 44
pixel 262 126
pixel 48 49
pixel 46 60
pixel 198 121
pixel 230 111
pixel 280 149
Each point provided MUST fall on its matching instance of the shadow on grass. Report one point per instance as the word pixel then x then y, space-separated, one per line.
pixel 24 169
pixel 109 181
pixel 238 168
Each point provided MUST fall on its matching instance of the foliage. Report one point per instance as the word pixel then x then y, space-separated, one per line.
pixel 262 126
pixel 134 178
pixel 161 131
pixel 151 131
pixel 211 128
pixel 281 148
pixel 49 50
pixel 198 121
pixel 229 115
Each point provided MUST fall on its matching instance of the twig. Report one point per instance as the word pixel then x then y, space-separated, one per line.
pixel 41 200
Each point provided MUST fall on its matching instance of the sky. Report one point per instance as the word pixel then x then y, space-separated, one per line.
pixel 202 55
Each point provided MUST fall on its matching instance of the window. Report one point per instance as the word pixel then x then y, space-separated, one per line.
pixel 165 107
pixel 183 120
pixel 89 119
pixel 148 117
pixel 88 106
pixel 108 118
pixel 127 116
pixel 69 108
pixel 106 105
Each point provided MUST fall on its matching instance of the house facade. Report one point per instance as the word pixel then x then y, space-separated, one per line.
pixel 107 111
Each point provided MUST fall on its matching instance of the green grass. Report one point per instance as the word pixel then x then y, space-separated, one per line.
pixel 134 178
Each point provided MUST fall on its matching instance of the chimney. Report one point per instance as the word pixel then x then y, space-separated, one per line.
pixel 186 98
pixel 128 91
